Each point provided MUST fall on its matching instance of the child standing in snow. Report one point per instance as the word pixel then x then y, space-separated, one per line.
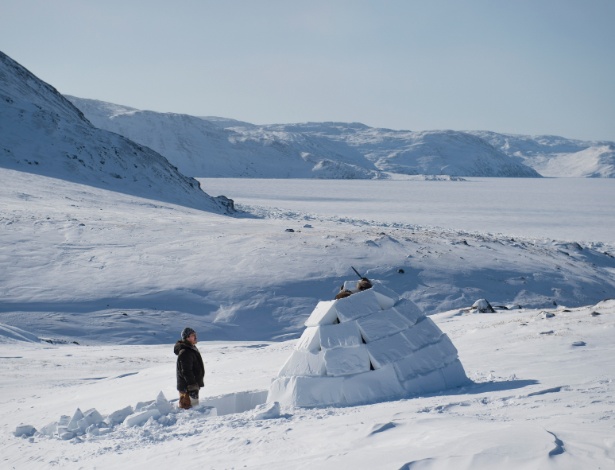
pixel 190 369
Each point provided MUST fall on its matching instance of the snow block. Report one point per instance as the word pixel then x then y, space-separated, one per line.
pixel 388 350
pixel 433 382
pixel 346 361
pixel 372 386
pixel 249 400
pixel 357 305
pixel 66 435
pixel 323 314
pixel 93 416
pixel 381 324
pixel 428 383
pixel 80 422
pixel 425 332
pixel 385 296
pixel 319 392
pixel 145 405
pixel 340 335
pixel 237 402
pixel 309 340
pixel 163 405
pixel 77 424
pixel 118 416
pixel 313 391
pixel 426 359
pixel 412 385
pixel 282 390
pixel 50 429
pixel 24 430
pixel 92 430
pixel 455 375
pixel 408 309
pixel 267 411
pixel 420 362
pixel 306 391
pixel 303 363
pixel 448 349
pixel 138 419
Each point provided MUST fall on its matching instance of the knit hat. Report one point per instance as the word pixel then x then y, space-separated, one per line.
pixel 187 332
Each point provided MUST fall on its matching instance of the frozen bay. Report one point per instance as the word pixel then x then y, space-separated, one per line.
pixel 568 209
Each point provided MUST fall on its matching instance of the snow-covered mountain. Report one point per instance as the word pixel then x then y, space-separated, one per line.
pixel 221 147
pixel 42 132
pixel 217 147
pixel 556 156
pixel 429 152
pixel 208 147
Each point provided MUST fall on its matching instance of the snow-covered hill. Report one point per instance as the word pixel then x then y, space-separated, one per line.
pixel 42 132
pixel 209 148
pixel 101 260
pixel 430 152
pixel 215 147
pixel 555 156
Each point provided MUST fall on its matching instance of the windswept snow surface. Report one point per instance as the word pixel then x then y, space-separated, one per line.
pixel 563 209
pixel 541 398
pixel 121 276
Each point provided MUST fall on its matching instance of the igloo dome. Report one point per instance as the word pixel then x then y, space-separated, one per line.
pixel 369 347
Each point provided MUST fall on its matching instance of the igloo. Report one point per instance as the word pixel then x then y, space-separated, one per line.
pixel 369 347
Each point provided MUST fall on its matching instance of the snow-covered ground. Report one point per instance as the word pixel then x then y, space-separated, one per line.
pixel 565 209
pixel 121 276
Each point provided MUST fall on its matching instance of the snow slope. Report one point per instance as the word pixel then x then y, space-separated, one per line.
pixel 556 156
pixel 128 261
pixel 43 133
pixel 429 152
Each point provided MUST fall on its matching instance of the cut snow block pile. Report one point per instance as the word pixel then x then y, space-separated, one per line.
pixel 371 346
pixel 91 423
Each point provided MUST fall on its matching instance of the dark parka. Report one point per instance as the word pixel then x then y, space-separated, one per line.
pixel 190 367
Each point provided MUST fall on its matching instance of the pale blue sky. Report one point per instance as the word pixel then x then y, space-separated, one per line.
pixel 515 66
